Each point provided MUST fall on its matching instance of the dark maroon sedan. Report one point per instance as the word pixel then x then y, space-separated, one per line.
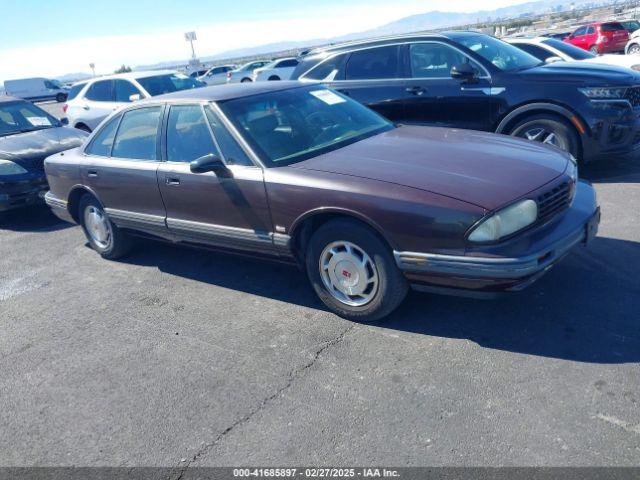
pixel 303 174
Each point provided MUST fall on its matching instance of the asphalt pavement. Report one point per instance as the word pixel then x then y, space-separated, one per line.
pixel 179 357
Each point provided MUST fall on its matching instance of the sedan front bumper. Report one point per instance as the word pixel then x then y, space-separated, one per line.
pixel 498 268
pixel 22 190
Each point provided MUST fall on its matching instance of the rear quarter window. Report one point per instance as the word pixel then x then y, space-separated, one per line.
pixel 612 27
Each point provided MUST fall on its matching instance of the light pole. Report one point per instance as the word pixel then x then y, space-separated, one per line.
pixel 190 37
pixel 92 66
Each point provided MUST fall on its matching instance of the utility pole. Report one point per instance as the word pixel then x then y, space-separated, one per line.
pixel 92 66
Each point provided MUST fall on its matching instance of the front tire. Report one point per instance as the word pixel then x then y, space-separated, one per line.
pixel 549 129
pixel 103 236
pixel 594 50
pixel 634 49
pixel 353 271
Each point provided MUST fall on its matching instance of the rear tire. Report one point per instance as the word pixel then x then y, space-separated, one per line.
pixel 353 271
pixel 549 129
pixel 634 49
pixel 103 235
pixel 594 50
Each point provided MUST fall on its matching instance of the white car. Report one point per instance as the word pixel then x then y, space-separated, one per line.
pixel 216 75
pixel 552 50
pixel 633 45
pixel 92 101
pixel 243 74
pixel 280 69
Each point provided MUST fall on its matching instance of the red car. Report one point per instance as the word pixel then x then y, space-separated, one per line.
pixel 600 37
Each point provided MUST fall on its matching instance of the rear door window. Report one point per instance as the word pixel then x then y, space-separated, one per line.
pixel 137 136
pixel 101 91
pixel 374 63
pixel 188 135
pixel 591 30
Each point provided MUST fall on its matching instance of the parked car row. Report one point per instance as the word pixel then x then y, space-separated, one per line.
pixel 342 171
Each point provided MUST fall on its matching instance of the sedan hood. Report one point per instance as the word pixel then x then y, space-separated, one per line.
pixel 31 148
pixel 582 74
pixel 483 169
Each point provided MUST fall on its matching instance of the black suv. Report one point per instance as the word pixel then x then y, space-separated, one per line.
pixel 475 81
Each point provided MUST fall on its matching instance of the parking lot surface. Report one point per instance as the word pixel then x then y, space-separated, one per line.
pixel 178 357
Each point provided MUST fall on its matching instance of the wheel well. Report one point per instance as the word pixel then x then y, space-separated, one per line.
pixel 82 126
pixel 303 232
pixel 537 111
pixel 274 77
pixel 74 202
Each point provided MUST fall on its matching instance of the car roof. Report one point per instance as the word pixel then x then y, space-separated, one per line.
pixel 129 75
pixel 452 35
pixel 219 93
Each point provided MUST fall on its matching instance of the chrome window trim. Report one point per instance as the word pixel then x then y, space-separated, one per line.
pixel 303 78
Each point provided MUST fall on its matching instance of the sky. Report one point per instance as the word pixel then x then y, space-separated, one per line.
pixel 56 37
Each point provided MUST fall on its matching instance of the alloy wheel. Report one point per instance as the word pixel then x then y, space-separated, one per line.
pixel 97 226
pixel 545 135
pixel 348 273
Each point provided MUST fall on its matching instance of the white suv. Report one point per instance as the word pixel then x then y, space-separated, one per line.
pixel 280 69
pixel 91 102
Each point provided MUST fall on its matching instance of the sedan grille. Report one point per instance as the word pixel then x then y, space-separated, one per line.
pixel 633 95
pixel 555 201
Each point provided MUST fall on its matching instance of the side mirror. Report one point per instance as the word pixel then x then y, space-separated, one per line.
pixel 209 163
pixel 135 97
pixel 553 60
pixel 463 72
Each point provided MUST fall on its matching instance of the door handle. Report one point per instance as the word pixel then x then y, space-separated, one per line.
pixel 415 90
pixel 172 181
pixel 92 173
pixel 85 107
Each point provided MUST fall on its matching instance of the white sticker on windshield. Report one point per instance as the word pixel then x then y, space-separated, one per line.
pixel 39 121
pixel 181 75
pixel 327 96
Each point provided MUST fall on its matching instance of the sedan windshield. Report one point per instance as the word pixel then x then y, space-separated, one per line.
pixel 289 126
pixel 21 117
pixel 172 82
pixel 568 49
pixel 502 55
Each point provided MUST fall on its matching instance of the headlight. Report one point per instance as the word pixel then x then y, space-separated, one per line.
pixel 7 167
pixel 505 222
pixel 604 93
